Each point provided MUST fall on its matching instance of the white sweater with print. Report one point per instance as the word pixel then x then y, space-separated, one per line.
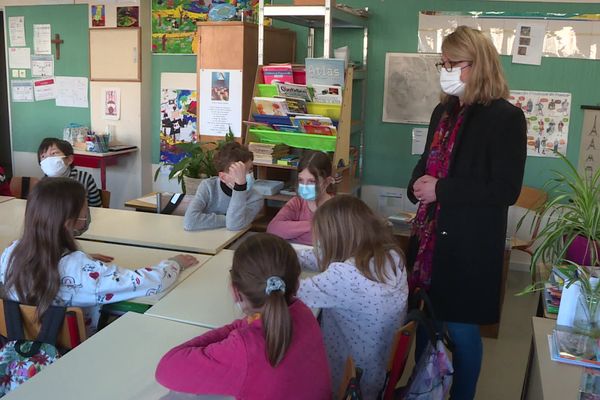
pixel 88 283
pixel 359 316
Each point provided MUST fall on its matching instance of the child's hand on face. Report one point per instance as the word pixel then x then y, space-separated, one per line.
pixel 184 260
pixel 237 171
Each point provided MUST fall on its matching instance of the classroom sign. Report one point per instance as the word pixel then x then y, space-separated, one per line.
pixel 548 116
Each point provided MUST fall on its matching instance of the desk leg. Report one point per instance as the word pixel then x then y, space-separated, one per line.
pixel 103 173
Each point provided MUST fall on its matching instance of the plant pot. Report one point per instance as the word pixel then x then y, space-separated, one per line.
pixel 190 185
pixel 587 315
pixel 580 251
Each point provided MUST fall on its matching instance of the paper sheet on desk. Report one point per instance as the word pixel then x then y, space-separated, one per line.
pixel 148 199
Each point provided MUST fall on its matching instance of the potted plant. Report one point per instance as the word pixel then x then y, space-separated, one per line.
pixel 569 240
pixel 198 164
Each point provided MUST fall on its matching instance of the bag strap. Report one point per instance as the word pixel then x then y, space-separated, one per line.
pixel 25 183
pixel 174 201
pixel 13 320
pixel 51 323
pixel 432 332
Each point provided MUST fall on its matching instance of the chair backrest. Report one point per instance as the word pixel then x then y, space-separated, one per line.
pixel 403 340
pixel 531 198
pixel 71 333
pixel 20 186
pixel 105 197
pixel 348 378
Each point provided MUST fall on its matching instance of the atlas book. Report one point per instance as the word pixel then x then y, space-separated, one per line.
pixel 324 71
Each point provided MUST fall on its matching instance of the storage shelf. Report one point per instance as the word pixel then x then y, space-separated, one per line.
pixel 313 16
pixel 299 140
pixel 291 167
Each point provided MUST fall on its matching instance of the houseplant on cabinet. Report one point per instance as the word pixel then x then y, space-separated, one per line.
pixel 570 239
pixel 197 165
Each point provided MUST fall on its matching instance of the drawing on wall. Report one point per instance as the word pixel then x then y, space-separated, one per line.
pixel 98 15
pixel 111 103
pixel 411 87
pixel 589 153
pixel 174 25
pixel 178 110
pixel 548 116
pixel 128 16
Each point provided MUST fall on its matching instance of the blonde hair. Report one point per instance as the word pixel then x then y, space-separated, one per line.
pixel 345 227
pixel 487 81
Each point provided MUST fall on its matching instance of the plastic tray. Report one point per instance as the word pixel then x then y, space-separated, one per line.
pixel 299 140
pixel 332 111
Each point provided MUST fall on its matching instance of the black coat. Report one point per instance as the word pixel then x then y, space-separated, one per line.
pixel 485 177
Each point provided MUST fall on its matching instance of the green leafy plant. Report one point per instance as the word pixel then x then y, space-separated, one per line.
pixel 199 162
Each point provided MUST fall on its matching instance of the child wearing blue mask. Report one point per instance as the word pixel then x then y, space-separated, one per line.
pixel 315 187
pixel 227 200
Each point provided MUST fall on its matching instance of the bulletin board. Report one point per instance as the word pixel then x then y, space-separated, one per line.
pixel 116 55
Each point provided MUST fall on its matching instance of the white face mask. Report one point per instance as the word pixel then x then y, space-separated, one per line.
pixel 54 166
pixel 451 83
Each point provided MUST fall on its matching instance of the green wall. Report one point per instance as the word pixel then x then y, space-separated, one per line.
pixel 31 122
pixel 393 28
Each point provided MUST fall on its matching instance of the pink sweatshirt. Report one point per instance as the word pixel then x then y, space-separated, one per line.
pixel 293 222
pixel 232 361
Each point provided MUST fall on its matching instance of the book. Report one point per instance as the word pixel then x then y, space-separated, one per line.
pixel 259 125
pixel 327 94
pixel 315 124
pixel 278 73
pixel 271 106
pixel 286 128
pixel 324 71
pixel 295 104
pixel 290 159
pixel 293 90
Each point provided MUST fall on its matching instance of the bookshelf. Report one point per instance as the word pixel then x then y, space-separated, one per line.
pixel 327 18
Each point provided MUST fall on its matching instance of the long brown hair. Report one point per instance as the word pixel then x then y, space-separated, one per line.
pixel 33 265
pixel 318 164
pixel 487 81
pixel 256 260
pixel 345 227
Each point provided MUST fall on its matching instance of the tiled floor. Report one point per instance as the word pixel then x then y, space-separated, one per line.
pixel 505 358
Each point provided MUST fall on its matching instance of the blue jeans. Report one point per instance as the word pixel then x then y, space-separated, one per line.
pixel 466 357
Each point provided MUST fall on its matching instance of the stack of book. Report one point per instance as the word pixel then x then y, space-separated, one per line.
pixel 267 153
pixel 570 347
pixel 285 105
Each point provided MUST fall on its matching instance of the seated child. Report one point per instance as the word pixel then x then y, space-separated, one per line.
pixel 275 352
pixel 362 288
pixel 293 221
pixel 56 159
pixel 46 268
pixel 226 200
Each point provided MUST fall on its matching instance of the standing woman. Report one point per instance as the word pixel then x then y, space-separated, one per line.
pixel 468 176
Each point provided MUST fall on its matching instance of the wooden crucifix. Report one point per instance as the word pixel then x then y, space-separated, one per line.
pixel 57 42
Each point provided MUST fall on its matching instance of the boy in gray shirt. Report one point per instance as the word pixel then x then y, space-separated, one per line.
pixel 227 200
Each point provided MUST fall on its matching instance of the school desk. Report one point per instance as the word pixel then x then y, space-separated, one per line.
pixel 547 379
pixel 99 160
pixel 155 230
pixel 116 363
pixel 135 257
pixel 5 198
pixel 204 298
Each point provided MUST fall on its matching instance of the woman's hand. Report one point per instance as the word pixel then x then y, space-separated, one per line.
pixel 184 260
pixel 101 257
pixel 424 189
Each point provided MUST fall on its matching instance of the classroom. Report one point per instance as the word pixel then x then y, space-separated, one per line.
pixel 299 199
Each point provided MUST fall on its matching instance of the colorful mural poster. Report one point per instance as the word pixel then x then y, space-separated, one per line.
pixel 128 16
pixel 548 116
pixel 98 15
pixel 174 25
pixel 178 110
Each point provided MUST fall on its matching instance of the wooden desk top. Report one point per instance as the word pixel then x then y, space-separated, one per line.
pixel 132 257
pixel 155 230
pixel 205 298
pixel 103 155
pixel 5 198
pixel 116 363
pixel 140 205
pixel 12 215
pixel 558 380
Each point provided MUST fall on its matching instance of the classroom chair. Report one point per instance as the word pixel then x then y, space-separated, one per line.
pixel 533 200
pixel 72 332
pixel 20 186
pixel 403 340
pixel 105 198
pixel 350 386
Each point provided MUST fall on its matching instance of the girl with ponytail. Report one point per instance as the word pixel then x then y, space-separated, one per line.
pixel 275 352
